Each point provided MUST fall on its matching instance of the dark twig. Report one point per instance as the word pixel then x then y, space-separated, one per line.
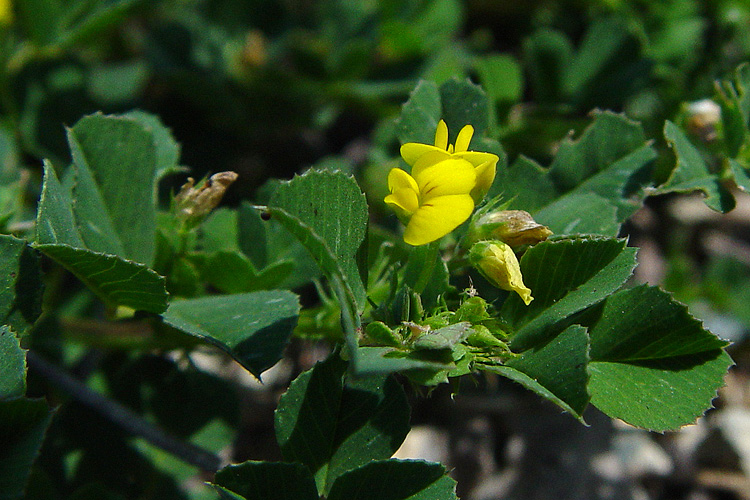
pixel 128 420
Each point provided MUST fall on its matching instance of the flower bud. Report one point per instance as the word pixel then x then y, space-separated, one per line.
pixel 193 203
pixel 497 262
pixel 514 227
pixel 703 117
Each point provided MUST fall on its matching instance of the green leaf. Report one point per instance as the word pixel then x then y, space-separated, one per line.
pixel 741 175
pixel 263 480
pixel 609 138
pixel 427 274
pixel 232 272
pixel 115 207
pixel 652 364
pixel 252 236
pixel 547 55
pixel 556 371
pixel 167 148
pixel 12 365
pixel 458 102
pixel 734 99
pixel 23 423
pixel 526 184
pixel 565 277
pixel 41 20
pixel 691 173
pixel 572 214
pixel 252 327
pixel 420 114
pixel 383 360
pixel 327 261
pixel 20 284
pixel 603 171
pixel 333 422
pixel 55 222
pixel 99 18
pixel 395 480
pixel 501 77
pixel 464 103
pixel 607 67
pixel 332 205
pixel 114 280
pixel 444 338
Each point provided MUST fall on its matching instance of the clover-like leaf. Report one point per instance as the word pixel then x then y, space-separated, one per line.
pixel 252 327
pixel 652 364
pixel 333 422
pixel 565 276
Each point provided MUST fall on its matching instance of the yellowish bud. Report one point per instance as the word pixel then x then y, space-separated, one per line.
pixel 497 262
pixel 514 227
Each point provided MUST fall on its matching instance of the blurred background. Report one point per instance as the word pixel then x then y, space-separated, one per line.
pixel 269 88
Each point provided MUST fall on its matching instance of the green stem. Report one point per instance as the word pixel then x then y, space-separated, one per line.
pixel 431 254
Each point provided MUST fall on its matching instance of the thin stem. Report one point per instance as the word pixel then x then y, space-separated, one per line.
pixel 128 420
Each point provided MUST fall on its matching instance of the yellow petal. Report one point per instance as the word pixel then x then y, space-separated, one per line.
pixel 412 151
pixel 398 179
pixel 477 158
pixel 404 201
pixel 464 138
pixel 427 160
pixel 448 177
pixel 441 136
pixel 437 218
pixel 498 263
pixel 485 177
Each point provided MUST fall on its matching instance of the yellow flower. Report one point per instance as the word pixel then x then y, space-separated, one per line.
pixel 485 164
pixel 445 183
pixel 436 199
pixel 6 12
pixel 498 263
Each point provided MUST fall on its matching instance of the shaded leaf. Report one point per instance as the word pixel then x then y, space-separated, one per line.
pixel 263 480
pixel 547 55
pixel 167 148
pixel 463 103
pixel 115 280
pixel 395 480
pixel 381 360
pixel 333 422
pixel 691 173
pixel 327 261
pixel 555 371
pixel 12 366
pixel 252 327
pixel 23 423
pixel 232 272
pixel 444 338
pixel 55 222
pixel 20 284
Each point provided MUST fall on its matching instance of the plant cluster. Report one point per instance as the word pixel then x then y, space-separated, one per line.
pixel 493 265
